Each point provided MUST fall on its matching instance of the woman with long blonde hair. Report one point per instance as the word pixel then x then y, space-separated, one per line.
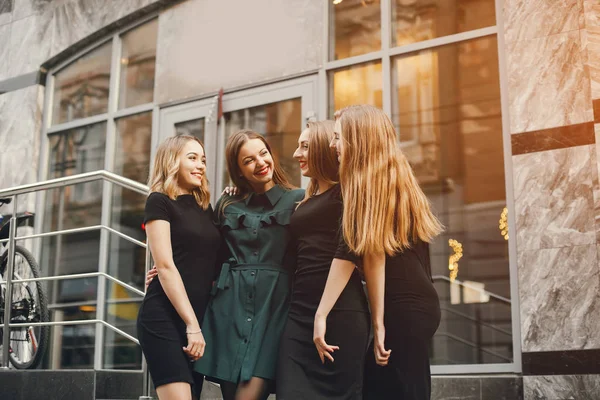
pixel 303 373
pixel 388 222
pixel 184 242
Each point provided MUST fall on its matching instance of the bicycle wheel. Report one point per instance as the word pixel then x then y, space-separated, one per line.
pixel 27 344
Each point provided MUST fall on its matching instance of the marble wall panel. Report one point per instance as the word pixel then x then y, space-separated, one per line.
pixel 548 83
pixel 530 19
pixel 4 51
pixel 204 46
pixel 554 203
pixel 448 388
pixel 20 118
pixel 591 40
pixel 20 125
pixel 559 292
pixel 6 7
pixel 595 158
pixel 558 387
pixel 25 8
pixel 76 19
pixel 30 43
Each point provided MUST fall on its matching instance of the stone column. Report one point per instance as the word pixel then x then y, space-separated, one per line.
pixel 553 63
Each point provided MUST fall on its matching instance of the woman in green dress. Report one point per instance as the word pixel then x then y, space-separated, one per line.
pixel 247 313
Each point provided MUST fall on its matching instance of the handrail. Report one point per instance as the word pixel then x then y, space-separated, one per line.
pixel 8 283
pixel 473 345
pixel 79 230
pixel 471 319
pixel 79 276
pixel 458 282
pixel 76 179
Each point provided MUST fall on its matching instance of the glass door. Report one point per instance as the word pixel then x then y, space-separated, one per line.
pixel 278 111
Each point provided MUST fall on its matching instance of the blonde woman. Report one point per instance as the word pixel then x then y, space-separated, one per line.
pixel 303 373
pixel 388 222
pixel 184 242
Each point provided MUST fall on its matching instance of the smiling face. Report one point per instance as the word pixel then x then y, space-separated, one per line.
pixel 301 153
pixel 336 142
pixel 256 165
pixel 192 166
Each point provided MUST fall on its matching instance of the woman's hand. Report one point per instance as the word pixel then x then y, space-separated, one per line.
pixel 324 350
pixel 230 190
pixel 196 343
pixel 382 356
pixel 151 275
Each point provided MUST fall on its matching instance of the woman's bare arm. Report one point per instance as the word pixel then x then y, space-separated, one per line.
pixel 374 267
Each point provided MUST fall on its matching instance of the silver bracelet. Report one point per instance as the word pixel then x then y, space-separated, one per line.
pixel 193 333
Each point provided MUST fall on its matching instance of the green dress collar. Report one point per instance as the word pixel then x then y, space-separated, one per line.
pixel 273 195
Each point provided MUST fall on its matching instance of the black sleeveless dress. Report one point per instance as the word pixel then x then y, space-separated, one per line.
pixel 195 241
pixel 300 373
pixel 411 317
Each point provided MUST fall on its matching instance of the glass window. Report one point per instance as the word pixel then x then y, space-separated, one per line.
pixel 446 106
pixel 194 127
pixel 415 21
pixel 132 150
pixel 81 89
pixel 280 123
pixel 355 28
pixel 359 84
pixel 126 262
pixel 138 64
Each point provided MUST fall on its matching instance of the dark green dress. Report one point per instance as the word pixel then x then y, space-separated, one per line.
pixel 247 313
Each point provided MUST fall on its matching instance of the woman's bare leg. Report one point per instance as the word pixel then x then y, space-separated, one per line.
pixel 174 391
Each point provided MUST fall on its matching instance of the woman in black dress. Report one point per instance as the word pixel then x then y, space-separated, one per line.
pixel 302 372
pixel 184 244
pixel 387 220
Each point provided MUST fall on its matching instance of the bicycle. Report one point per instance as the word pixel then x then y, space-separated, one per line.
pixel 27 345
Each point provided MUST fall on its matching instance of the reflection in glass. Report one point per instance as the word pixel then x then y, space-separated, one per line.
pixel 81 89
pixel 132 150
pixel 415 21
pixel 69 300
pixel 74 152
pixel 359 84
pixel 356 28
pixel 280 123
pixel 138 64
pixel 126 262
pixel 446 106
pixel 72 346
pixel 194 127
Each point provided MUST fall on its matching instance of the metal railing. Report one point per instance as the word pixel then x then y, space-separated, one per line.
pixel 102 275
pixel 474 320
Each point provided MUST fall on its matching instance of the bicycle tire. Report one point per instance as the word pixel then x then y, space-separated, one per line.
pixel 43 306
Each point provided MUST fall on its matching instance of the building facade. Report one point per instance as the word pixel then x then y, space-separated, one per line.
pixel 495 102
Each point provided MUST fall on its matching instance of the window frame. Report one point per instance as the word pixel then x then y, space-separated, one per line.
pixel 111 118
pixel 386 56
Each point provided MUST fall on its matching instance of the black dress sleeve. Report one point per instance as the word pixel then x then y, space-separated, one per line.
pixel 343 252
pixel 157 207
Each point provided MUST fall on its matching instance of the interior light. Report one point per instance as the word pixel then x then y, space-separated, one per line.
pixel 336 2
pixel 457 249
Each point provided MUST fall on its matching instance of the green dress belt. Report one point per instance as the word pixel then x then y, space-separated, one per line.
pixel 244 321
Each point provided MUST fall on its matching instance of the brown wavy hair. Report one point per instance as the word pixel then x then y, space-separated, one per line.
pixel 232 151
pixel 322 159
pixel 385 209
pixel 163 178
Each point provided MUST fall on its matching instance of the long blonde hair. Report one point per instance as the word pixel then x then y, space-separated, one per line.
pixel 385 210
pixel 163 178
pixel 232 151
pixel 322 159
